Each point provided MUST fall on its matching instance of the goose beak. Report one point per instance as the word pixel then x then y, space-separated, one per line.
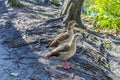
pixel 76 24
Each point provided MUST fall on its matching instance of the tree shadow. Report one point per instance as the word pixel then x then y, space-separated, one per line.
pixel 20 58
pixel 27 63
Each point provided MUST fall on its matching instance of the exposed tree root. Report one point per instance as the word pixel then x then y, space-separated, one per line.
pixel 15 3
pixel 52 20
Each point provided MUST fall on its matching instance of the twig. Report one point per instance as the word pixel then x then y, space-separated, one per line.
pixel 47 72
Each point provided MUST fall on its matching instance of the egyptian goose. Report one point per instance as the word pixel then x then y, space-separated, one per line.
pixel 64 37
pixel 66 50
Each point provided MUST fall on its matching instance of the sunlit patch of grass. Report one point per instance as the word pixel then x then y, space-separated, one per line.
pixel 56 2
pixel 107 45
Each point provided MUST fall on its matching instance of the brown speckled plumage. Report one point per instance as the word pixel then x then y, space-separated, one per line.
pixel 63 37
pixel 65 50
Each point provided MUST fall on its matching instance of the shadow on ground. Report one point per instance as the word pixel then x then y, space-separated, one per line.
pixel 23 49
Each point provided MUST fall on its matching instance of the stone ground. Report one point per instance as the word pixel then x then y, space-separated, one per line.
pixel 23 39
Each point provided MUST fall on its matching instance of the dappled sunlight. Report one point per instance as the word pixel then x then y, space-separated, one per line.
pixel 25 33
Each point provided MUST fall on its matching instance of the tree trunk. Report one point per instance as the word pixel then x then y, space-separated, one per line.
pixel 72 11
pixel 16 3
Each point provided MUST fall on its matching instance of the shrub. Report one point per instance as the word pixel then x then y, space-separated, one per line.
pixel 106 14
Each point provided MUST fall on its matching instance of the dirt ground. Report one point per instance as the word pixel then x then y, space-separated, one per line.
pixel 24 35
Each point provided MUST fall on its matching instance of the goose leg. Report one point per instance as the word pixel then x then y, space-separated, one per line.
pixel 66 65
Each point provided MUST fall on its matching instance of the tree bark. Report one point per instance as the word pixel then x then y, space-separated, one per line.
pixel 72 11
pixel 16 3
